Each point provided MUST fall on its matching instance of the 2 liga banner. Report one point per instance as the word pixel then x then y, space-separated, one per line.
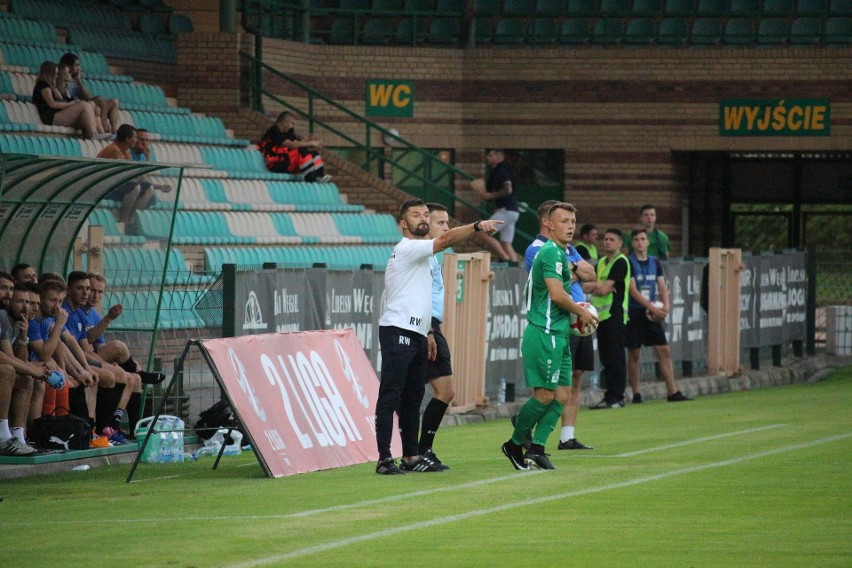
pixel 307 399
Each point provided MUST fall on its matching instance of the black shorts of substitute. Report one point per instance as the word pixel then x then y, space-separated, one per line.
pixel 643 332
pixel 441 366
pixel 582 353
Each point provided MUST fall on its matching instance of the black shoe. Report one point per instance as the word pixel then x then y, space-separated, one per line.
pixel 677 397
pixel 541 461
pixel 388 467
pixel 431 455
pixel 528 439
pixel 513 451
pixel 573 444
pixel 607 404
pixel 152 378
pixel 422 464
pixel 637 398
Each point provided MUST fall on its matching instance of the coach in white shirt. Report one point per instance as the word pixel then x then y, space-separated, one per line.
pixel 403 326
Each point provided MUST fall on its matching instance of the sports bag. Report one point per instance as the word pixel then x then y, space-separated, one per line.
pixel 69 432
pixel 215 417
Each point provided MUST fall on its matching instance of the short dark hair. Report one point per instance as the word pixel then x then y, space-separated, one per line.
pixel 76 276
pixel 69 59
pixel 7 276
pixel 586 229
pixel 544 209
pixel 562 205
pixel 283 115
pixel 45 276
pixel 124 132
pixel 18 268
pixel 408 204
pixel 32 287
pixel 141 130
pixel 51 284
pixel 96 276
pixel 638 230
pixel 616 232
pixel 645 207
pixel 436 207
pixel 21 287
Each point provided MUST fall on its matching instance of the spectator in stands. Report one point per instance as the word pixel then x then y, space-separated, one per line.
pixel 645 319
pixel 53 109
pixel 77 89
pixel 499 188
pixel 63 80
pixel 130 194
pixel 16 375
pixel 141 153
pixel 658 242
pixel 110 375
pixel 284 152
pixel 23 272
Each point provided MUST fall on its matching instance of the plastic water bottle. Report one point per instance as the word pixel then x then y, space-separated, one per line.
pixel 234 449
pixel 164 427
pixel 501 394
pixel 84 467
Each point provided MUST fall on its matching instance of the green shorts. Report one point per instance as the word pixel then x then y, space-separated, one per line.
pixel 547 359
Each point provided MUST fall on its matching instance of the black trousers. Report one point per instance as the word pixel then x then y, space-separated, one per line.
pixel 613 358
pixel 401 388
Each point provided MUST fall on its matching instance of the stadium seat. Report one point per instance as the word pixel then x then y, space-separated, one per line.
pixel 543 31
pixel 575 31
pixel 712 8
pixel 679 8
pixel 483 32
pixel 551 8
pixel 488 8
pixel 772 32
pixel 741 8
pixel 646 7
pixel 444 31
pixel 407 33
pixel 377 31
pixel 390 6
pixel 607 31
pixel 342 31
pixel 640 31
pixel 739 31
pixel 509 32
pixel 152 24
pixel 673 31
pixel 840 7
pixel 180 23
pixel 805 31
pixel 778 8
pixel 706 31
pixel 838 32
pixel 418 6
pixel 16 30
pixel 811 7
pixel 582 7
pixel 518 8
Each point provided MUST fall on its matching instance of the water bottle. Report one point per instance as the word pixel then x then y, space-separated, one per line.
pixel 233 449
pixel 501 393
pixel 177 439
pixel 164 427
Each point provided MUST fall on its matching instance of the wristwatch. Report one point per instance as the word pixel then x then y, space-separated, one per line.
pixel 574 267
pixel 476 226
pixel 20 341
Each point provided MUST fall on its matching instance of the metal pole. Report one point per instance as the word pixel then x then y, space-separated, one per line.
pixel 228 16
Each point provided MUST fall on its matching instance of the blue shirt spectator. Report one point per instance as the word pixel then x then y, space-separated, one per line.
pixel 571 254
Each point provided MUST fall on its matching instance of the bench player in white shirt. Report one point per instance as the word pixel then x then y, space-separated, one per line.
pixel 403 326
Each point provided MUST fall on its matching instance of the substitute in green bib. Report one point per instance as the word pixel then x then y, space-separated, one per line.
pixel 546 349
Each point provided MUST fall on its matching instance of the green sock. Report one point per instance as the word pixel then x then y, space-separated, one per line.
pixel 547 423
pixel 531 412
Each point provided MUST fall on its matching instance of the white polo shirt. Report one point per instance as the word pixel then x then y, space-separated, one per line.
pixel 407 299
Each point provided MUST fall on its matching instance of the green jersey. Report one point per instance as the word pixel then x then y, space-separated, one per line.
pixel 550 262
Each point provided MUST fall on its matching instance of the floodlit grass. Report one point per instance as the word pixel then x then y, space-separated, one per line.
pixel 757 478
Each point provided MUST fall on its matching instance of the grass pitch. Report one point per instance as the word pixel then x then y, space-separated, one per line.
pixel 757 478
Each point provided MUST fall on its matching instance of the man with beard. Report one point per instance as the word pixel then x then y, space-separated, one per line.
pixel 403 327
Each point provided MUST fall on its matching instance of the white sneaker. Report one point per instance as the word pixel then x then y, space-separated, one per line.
pixel 12 447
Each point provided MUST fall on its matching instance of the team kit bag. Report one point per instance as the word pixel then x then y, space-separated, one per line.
pixel 69 432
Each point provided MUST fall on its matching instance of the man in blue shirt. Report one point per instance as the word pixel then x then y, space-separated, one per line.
pixel 582 349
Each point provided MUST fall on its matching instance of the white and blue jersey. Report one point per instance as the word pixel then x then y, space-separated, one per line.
pixel 645 273
pixel 437 290
pixel 571 253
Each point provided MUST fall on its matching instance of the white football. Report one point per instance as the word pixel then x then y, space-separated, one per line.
pixel 657 304
pixel 577 327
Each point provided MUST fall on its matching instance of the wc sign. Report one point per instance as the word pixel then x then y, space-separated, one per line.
pixel 389 98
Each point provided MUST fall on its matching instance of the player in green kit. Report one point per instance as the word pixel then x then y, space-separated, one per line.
pixel 546 349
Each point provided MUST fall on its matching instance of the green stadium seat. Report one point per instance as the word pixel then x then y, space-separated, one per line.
pixel 551 8
pixel 354 4
pixel 518 8
pixel 40 145
pixel 342 31
pixel 509 32
pixel 390 6
pixel 679 8
pixel 647 7
pixel 489 8
pixel 446 7
pixel 778 8
pixel 673 31
pixel 377 31
pixel 811 7
pixel 838 32
pixel 180 23
pixel 772 32
pixel 17 30
pixel 805 31
pixel 575 31
pixel 712 8
pixel 840 7
pixel 739 31
pixel 444 31
pixel 483 32
pixel 608 31
pixel 706 31
pixel 409 33
pixel 741 8
pixel 615 8
pixel 582 7
pixel 543 31
pixel 152 24
pixel 640 31
pixel 418 6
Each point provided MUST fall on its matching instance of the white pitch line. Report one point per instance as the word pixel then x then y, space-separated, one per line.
pixel 697 441
pixel 325 547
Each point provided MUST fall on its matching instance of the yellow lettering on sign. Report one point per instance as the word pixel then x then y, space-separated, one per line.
pixel 818 118
pixel 779 116
pixel 398 100
pixel 733 117
pixel 795 123
pixel 380 94
pixel 751 114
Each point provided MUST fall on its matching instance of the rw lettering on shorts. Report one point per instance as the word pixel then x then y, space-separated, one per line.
pixel 403 340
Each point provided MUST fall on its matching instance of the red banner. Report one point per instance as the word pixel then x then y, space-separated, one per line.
pixel 307 399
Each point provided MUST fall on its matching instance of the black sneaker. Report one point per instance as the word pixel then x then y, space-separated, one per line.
pixel 388 467
pixel 528 439
pixel 152 378
pixel 637 398
pixel 513 451
pixel 573 444
pixel 541 461
pixel 604 404
pixel 677 397
pixel 422 464
pixel 431 455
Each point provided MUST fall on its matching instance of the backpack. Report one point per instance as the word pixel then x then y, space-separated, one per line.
pixel 215 417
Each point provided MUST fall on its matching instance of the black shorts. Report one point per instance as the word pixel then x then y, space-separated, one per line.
pixel 441 366
pixel 119 192
pixel 642 331
pixel 582 353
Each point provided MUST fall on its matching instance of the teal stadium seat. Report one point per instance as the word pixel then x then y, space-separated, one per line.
pixel 838 32
pixel 575 31
pixel 608 31
pixel 680 8
pixel 673 31
pixel 509 32
pixel 152 24
pixel 342 31
pixel 179 24
pixel 418 6
pixel 740 8
pixel 543 31
pixel 712 8
pixel 805 31
pixel 706 31
pixel 840 7
pixel 640 31
pixel 772 32
pixel 778 8
pixel 614 8
pixel 551 8
pixel 483 32
pixel 739 31
pixel 40 145
pixel 390 7
pixel 411 32
pixel 647 7
pixel 16 30
pixel 518 8
pixel 377 31
pixel 489 8
pixel 811 7
pixel 72 13
pixel 112 233
pixel 582 8
pixel 444 31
